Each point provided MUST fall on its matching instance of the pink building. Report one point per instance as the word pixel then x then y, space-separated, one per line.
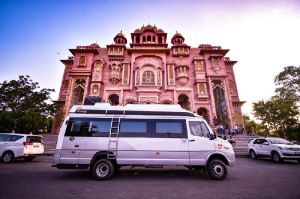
pixel 199 79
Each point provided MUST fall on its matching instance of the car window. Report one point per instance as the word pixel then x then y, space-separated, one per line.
pixel 199 129
pixel 264 141
pixel 15 137
pixel 4 138
pixel 257 141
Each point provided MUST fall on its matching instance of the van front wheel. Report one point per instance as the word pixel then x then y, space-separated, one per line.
pixel 217 170
pixel 103 169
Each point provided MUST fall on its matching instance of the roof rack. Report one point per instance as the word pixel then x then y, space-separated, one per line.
pixel 132 109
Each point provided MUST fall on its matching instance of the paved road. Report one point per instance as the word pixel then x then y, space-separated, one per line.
pixel 248 179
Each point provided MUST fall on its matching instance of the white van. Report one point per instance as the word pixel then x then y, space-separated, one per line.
pixel 102 138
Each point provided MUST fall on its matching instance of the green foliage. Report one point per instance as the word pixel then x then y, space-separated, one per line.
pixel 253 127
pixel 277 114
pixel 288 82
pixel 280 114
pixel 24 106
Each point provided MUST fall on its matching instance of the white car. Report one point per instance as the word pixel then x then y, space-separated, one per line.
pixel 14 145
pixel 277 148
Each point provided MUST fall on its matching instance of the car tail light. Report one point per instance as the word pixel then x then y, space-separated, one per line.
pixel 27 143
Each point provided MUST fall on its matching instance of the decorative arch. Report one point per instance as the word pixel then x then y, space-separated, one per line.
pixel 113 99
pixel 78 92
pixel 220 102
pixel 202 111
pixel 184 101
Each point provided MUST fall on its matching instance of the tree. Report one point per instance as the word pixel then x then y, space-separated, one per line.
pixel 254 127
pixel 24 106
pixel 288 82
pixel 277 114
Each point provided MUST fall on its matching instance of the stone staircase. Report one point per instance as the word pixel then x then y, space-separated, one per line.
pixel 240 149
pixel 50 141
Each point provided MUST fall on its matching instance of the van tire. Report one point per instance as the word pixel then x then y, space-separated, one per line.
pixel 103 169
pixel 217 169
pixel 8 157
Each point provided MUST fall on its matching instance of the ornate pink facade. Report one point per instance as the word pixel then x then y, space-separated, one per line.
pixel 200 79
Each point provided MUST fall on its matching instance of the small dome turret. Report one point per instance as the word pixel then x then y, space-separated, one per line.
pixel 120 38
pixel 94 45
pixel 177 39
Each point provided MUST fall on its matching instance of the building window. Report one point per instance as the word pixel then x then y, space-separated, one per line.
pixel 144 38
pixel 82 60
pixel 215 61
pixel 159 39
pixel 137 39
pixel 153 38
pixel 148 38
pixel 148 78
pixel 201 89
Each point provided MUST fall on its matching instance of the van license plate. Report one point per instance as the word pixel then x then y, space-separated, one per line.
pixel 36 145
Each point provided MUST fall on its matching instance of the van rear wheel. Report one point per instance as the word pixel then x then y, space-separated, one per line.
pixel 217 169
pixel 103 169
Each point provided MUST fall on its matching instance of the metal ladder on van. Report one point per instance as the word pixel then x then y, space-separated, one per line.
pixel 113 137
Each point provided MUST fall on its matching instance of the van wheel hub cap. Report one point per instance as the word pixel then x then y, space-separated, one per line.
pixel 102 170
pixel 218 169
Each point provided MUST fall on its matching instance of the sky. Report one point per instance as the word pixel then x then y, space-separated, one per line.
pixel 263 36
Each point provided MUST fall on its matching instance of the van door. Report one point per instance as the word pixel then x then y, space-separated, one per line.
pixel 200 145
pixel 72 140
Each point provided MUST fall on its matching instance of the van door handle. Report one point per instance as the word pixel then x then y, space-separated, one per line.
pixel 77 145
pixel 192 140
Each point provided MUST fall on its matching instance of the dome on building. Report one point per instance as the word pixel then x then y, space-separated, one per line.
pixel 177 39
pixel 94 45
pixel 120 38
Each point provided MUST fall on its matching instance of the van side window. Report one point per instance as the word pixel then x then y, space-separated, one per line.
pixel 199 129
pixel 134 128
pixel 170 128
pixel 77 127
pixel 99 128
